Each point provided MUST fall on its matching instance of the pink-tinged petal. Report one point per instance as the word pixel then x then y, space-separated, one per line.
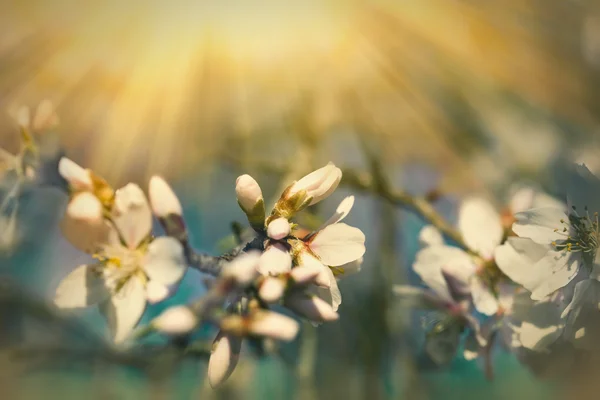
pixel 124 309
pixel 276 259
pixel 164 261
pixel 542 225
pixel 78 177
pixel 163 199
pixel 306 259
pixel 338 244
pixel 480 225
pixel 319 184
pixel 178 320
pixel 81 288
pixel 484 300
pixel 278 229
pixel 224 358
pixel 133 217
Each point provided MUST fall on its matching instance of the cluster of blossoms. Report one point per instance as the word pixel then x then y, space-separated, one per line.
pixel 279 267
pixel 471 287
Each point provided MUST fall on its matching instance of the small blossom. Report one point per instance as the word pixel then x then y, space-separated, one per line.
pixel 224 358
pixel 318 184
pixel 178 320
pixel 127 262
pixel 278 229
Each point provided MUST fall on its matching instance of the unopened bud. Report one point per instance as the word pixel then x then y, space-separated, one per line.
pixel 224 358
pixel 244 268
pixel 278 228
pixel 162 198
pixel 273 325
pixel 276 259
pixel 251 201
pixel 178 320
pixel 271 289
pixel 312 307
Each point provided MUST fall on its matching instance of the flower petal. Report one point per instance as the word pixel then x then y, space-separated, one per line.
pixel 537 268
pixel 78 177
pixel 430 236
pixel 125 308
pixel 163 199
pixel 431 260
pixel 86 234
pixel 164 261
pixel 583 326
pixel 341 212
pixel 480 225
pixel 81 288
pixel 483 298
pixel 133 217
pixel 156 292
pixel 338 244
pixel 539 224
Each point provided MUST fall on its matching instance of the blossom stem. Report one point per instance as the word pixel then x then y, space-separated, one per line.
pixel 365 182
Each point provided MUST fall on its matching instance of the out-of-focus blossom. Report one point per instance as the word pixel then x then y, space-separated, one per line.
pixel 481 228
pixel 131 268
pixel 178 320
pixel 278 229
pixel 224 358
pixel 276 259
pixel 262 323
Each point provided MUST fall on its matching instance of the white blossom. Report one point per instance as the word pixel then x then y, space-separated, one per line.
pixel 481 228
pixel 128 261
pixel 318 184
pixel 276 259
pixel 569 239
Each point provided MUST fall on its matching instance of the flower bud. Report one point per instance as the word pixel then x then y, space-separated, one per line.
pixel 178 320
pixel 251 200
pixel 312 307
pixel 318 184
pixel 244 268
pixel 430 236
pixel 273 325
pixel 278 229
pixel 224 358
pixel 162 198
pixel 303 275
pixel 276 259
pixel 271 289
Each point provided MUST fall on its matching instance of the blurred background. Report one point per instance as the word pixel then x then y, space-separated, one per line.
pixel 451 97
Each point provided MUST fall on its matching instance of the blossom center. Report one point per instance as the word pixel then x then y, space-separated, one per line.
pixel 581 232
pixel 119 265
